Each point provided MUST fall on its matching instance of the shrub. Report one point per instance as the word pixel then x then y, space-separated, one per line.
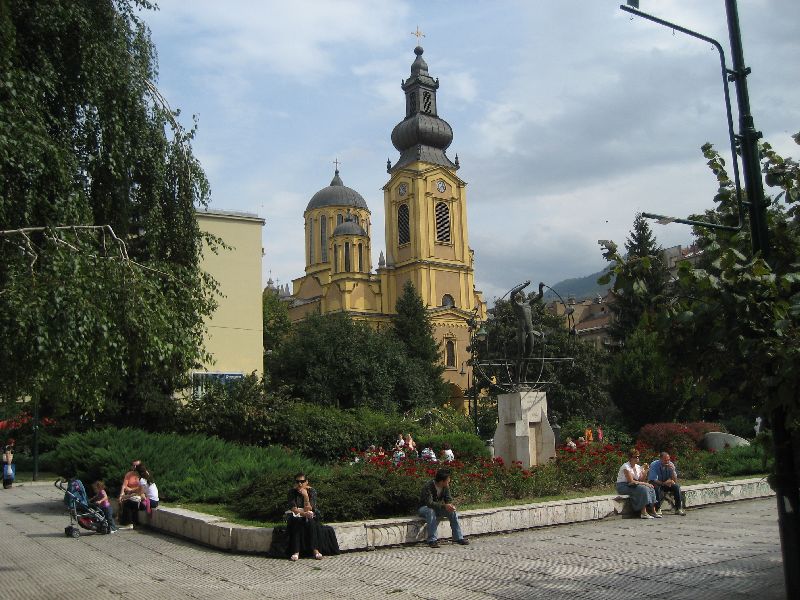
pixel 345 493
pixel 463 444
pixel 190 468
pixel 676 437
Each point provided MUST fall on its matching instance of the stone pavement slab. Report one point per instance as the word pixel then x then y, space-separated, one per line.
pixel 727 551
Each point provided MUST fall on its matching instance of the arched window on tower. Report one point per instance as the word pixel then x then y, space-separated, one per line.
pixel 361 257
pixel 335 258
pixel 323 238
pixel 442 223
pixel 347 257
pixel 310 241
pixel 447 301
pixel 339 219
pixel 403 229
pixel 450 354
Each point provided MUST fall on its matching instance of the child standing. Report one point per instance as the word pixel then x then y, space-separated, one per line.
pixel 101 499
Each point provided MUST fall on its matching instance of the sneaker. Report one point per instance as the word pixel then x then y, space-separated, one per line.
pixel 658 513
pixel 463 542
pixel 646 517
pixel 680 511
pixel 125 526
pixel 433 545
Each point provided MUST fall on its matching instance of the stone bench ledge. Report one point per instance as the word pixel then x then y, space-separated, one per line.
pixel 361 535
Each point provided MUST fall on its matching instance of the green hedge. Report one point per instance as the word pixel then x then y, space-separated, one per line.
pixel 463 444
pixel 345 493
pixel 186 468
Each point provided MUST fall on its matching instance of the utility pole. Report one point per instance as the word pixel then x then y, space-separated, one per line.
pixel 786 483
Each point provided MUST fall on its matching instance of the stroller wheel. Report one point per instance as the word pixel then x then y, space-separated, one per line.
pixel 76 533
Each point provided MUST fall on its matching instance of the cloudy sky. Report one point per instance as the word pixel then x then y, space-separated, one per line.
pixel 568 117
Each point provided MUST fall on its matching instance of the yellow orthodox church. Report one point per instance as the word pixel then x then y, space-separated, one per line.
pixel 425 206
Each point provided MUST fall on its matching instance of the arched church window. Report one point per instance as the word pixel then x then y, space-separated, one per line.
pixel 450 353
pixel 442 223
pixel 361 257
pixel 335 258
pixel 339 219
pixel 323 238
pixel 347 257
pixel 412 104
pixel 426 102
pixel 447 301
pixel 403 229
pixel 310 241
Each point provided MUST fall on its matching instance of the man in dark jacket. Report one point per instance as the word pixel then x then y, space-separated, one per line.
pixel 436 503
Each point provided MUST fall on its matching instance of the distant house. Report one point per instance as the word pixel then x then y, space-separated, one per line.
pixel 592 318
pixel 234 332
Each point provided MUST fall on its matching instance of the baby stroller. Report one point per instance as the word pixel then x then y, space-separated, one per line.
pixel 80 511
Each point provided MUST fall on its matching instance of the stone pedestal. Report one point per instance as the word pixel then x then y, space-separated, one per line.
pixel 523 431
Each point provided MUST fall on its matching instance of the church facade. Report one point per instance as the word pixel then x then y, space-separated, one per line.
pixel 425 206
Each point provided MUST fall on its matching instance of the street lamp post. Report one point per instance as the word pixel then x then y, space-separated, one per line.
pixel 786 478
pixel 477 333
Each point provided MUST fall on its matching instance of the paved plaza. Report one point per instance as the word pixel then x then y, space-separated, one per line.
pixel 728 551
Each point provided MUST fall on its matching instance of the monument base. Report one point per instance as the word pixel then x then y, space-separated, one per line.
pixel 523 430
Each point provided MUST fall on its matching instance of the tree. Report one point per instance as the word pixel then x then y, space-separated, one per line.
pixel 412 327
pixel 734 323
pixel 276 323
pixel 101 298
pixel 650 276
pixel 643 385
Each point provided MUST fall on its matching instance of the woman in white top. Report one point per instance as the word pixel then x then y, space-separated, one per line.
pixel 148 486
pixel 632 481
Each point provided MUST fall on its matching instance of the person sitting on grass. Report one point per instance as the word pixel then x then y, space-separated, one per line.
pixel 632 481
pixel 664 477
pixel 437 504
pixel 447 453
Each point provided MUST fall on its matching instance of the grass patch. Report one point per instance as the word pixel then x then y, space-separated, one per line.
pixel 220 510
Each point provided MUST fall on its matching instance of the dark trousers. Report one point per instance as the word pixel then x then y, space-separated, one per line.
pixel 303 535
pixel 674 489
pixel 129 513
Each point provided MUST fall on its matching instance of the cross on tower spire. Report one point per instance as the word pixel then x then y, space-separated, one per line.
pixel 419 34
pixel 336 163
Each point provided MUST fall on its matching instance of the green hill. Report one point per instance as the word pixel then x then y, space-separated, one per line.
pixel 579 287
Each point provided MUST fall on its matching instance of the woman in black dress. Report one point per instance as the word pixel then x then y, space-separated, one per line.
pixel 303 519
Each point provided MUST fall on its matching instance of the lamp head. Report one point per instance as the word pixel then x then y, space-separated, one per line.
pixel 634 4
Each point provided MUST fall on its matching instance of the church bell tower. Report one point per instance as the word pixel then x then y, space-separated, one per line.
pixel 425 203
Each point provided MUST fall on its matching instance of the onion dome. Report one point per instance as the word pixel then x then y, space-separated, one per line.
pixel 337 194
pixel 422 135
pixel 349 227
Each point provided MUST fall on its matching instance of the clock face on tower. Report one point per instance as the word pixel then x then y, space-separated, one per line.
pixel 441 186
pixel 403 189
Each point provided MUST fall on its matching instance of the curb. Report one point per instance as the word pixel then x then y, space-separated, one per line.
pixel 218 533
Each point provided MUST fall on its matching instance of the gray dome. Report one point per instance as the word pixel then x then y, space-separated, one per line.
pixel 420 128
pixel 337 194
pixel 349 227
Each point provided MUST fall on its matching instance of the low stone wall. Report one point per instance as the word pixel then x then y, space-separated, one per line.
pixel 218 533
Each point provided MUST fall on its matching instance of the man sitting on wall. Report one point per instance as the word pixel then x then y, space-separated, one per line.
pixel 436 503
pixel 664 477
